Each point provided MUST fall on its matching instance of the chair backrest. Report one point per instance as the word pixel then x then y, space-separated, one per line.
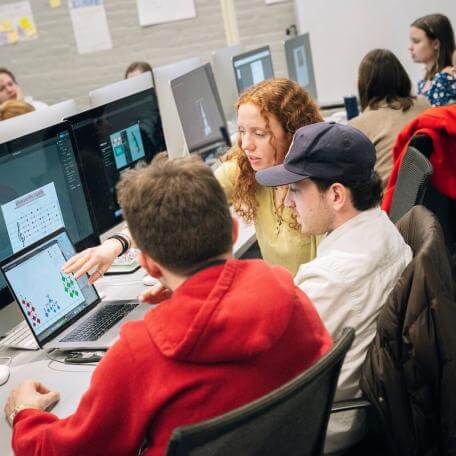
pixel 412 182
pixel 290 420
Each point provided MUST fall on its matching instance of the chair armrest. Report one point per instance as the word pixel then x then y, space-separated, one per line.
pixel 351 404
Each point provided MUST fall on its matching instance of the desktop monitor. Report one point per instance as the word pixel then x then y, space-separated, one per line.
pixel 200 109
pixel 36 120
pixel 111 139
pixel 170 119
pixel 252 67
pixel 121 89
pixel 40 191
pixel 222 63
pixel 299 63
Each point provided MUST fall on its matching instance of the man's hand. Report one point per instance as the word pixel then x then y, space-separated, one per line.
pixel 32 394
pixel 155 294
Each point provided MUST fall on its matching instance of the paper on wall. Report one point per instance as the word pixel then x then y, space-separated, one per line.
pixel 90 25
pixel 158 11
pixel 16 23
pixel 269 2
pixel 55 3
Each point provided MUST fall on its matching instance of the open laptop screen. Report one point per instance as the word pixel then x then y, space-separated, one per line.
pixel 48 298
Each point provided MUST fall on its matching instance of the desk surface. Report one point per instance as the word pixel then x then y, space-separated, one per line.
pixel 70 380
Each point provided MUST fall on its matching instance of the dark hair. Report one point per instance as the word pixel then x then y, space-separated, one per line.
pixel 364 195
pixel 141 66
pixel 438 27
pixel 8 72
pixel 381 76
pixel 176 211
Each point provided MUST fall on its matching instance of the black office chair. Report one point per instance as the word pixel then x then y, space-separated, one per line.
pixel 290 420
pixel 412 182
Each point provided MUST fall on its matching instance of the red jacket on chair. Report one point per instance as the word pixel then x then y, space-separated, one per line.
pixel 439 123
pixel 228 335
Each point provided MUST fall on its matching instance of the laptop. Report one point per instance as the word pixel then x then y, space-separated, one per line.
pixel 62 312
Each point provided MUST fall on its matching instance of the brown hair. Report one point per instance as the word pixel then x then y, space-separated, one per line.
pixel 381 77
pixel 13 108
pixel 176 211
pixel 141 66
pixel 438 27
pixel 8 72
pixel 293 107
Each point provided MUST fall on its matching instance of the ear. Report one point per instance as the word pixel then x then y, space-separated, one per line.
pixel 338 195
pixel 152 267
pixel 235 230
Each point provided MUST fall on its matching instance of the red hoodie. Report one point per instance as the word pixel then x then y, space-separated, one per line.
pixel 440 124
pixel 229 334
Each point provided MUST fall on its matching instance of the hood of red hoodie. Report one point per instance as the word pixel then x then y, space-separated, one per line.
pixel 229 312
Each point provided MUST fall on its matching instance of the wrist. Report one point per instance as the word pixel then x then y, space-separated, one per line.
pixel 117 246
pixel 18 409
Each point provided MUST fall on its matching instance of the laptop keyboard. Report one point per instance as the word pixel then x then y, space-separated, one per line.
pixel 98 323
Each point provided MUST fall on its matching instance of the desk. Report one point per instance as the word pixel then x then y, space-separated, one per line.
pixel 72 380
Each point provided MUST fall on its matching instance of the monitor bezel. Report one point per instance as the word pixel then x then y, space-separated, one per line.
pixel 28 140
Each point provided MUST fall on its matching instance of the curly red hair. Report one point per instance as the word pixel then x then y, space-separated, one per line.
pixel 293 107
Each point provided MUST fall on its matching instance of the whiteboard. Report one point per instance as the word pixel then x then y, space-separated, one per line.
pixel 342 32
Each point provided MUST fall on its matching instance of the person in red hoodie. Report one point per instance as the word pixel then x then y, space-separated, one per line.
pixel 229 331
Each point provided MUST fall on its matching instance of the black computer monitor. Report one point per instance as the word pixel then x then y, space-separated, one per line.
pixel 200 109
pixel 299 63
pixel 252 67
pixel 40 191
pixel 111 139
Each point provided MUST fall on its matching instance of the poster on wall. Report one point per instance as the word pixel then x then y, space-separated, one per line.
pixel 158 11
pixel 90 25
pixel 270 2
pixel 16 23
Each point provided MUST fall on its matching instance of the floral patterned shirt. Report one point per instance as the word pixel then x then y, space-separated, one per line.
pixel 442 90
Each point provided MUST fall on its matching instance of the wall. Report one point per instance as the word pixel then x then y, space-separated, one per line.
pixel 341 39
pixel 50 68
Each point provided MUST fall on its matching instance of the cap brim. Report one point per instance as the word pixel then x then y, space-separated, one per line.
pixel 276 176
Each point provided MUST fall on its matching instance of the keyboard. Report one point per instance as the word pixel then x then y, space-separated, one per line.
pixel 20 337
pixel 99 323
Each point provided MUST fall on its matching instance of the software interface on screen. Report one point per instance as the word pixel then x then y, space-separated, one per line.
pixel 252 67
pixel 49 298
pixel 40 191
pixel 199 107
pixel 299 62
pixel 111 139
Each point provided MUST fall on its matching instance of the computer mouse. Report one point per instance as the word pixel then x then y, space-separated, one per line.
pixel 4 373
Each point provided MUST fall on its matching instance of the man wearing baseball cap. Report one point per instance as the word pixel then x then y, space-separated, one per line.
pixel 335 192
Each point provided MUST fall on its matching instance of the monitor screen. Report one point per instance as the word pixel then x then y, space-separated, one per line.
pixel 299 63
pixel 252 67
pixel 199 107
pixel 41 191
pixel 111 139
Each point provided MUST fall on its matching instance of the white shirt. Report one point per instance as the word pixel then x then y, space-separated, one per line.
pixel 356 267
pixel 35 103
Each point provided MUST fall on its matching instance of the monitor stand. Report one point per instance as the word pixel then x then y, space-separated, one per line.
pixel 10 316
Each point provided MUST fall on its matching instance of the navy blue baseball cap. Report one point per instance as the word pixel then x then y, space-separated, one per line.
pixel 325 150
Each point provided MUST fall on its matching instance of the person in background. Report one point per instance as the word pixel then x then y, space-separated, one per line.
pixel 13 108
pixel 335 192
pixel 10 90
pixel 137 68
pixel 387 105
pixel 432 43
pixel 269 113
pixel 230 332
